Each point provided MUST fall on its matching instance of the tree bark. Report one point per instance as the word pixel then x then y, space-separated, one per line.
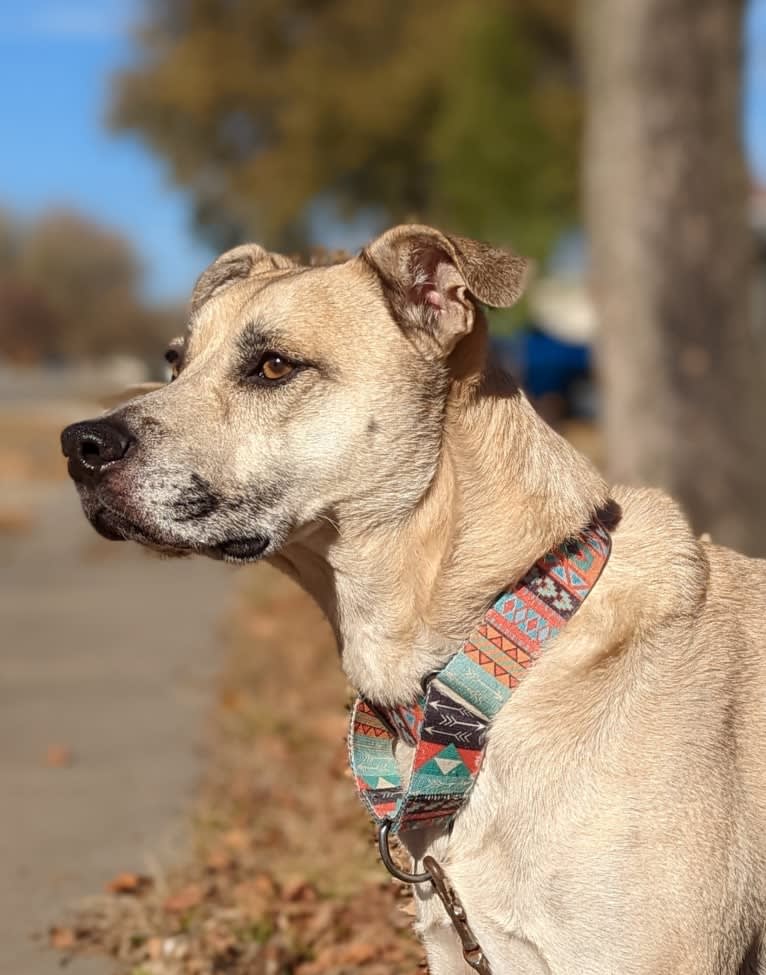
pixel 666 190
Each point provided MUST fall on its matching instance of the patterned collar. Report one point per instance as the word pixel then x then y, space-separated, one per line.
pixel 447 725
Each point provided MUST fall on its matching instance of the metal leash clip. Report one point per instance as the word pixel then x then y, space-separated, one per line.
pixel 472 952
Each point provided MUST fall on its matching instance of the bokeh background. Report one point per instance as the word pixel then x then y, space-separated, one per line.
pixel 619 143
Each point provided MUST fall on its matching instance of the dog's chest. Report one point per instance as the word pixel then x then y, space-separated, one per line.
pixel 517 850
pixel 501 862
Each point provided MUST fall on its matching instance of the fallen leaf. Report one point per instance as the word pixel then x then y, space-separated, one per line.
pixel 358 953
pixel 298 889
pixel 62 938
pixel 184 900
pixel 337 956
pixel 58 756
pixel 218 942
pixel 255 897
pixel 319 922
pixel 236 839
pixel 231 699
pixel 218 859
pixel 129 883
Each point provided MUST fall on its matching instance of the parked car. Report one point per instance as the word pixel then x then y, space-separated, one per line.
pixel 556 375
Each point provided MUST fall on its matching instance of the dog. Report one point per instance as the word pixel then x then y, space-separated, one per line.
pixel 343 423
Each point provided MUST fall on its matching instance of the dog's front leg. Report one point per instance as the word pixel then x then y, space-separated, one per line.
pixel 506 956
pixel 435 930
pixel 433 924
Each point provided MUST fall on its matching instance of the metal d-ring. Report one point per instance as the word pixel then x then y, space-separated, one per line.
pixel 385 855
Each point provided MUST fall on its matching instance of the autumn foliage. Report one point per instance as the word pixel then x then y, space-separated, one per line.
pixel 278 115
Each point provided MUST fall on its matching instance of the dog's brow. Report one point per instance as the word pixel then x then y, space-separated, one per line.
pixel 257 337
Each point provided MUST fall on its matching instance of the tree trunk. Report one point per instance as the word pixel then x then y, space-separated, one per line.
pixel 683 369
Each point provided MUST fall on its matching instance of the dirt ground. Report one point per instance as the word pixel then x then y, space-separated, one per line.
pixel 283 877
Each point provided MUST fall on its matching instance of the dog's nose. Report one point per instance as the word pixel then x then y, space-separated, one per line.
pixel 92 445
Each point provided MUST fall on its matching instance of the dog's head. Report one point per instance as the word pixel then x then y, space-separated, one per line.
pixel 300 394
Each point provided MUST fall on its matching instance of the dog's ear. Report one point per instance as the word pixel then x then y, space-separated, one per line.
pixel 235 265
pixel 433 279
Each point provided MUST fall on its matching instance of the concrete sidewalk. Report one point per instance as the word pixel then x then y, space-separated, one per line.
pixel 110 653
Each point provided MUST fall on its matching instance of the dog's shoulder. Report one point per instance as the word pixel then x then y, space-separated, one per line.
pixel 675 574
pixel 737 592
pixel 746 576
pixel 657 564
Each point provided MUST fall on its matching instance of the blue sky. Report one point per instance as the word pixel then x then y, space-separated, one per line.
pixel 56 57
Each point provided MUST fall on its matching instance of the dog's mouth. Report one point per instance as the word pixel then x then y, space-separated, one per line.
pixel 106 526
pixel 241 549
pixel 118 527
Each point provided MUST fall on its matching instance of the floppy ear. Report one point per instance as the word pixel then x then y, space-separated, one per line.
pixel 235 265
pixel 433 280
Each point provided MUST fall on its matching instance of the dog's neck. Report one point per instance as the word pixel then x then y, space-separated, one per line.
pixel 402 597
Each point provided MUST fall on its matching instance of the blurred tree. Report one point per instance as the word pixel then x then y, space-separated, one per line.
pixel 89 276
pixel 446 110
pixel 70 289
pixel 666 198
pixel 29 329
pixel 506 144
pixel 10 236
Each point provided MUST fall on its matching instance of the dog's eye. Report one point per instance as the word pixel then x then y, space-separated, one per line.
pixel 173 359
pixel 273 368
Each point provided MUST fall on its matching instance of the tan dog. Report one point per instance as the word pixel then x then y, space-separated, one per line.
pixel 342 423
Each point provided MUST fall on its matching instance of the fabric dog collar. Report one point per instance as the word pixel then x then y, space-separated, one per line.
pixel 447 725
